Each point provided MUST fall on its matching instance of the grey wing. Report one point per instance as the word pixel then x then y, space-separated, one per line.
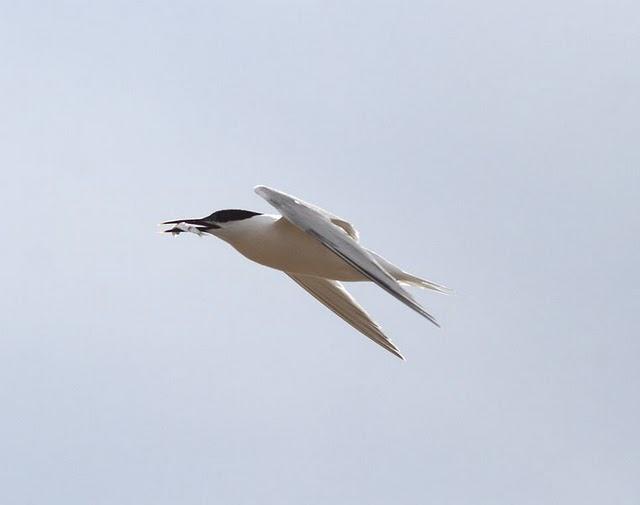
pixel 316 223
pixel 337 298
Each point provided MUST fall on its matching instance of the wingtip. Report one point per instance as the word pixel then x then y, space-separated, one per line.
pixel 394 350
pixel 391 347
pixel 425 314
pixel 432 319
pixel 261 189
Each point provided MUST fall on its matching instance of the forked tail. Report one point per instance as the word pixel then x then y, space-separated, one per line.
pixel 408 279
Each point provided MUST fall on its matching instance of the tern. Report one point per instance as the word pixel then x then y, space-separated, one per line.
pixel 318 250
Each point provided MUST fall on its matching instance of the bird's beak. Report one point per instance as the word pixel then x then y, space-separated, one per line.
pixel 197 226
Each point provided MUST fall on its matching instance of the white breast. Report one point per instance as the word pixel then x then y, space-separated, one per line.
pixel 274 242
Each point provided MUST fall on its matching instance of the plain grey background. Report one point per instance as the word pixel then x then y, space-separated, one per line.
pixel 491 146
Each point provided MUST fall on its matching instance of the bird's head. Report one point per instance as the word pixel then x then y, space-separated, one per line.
pixel 219 220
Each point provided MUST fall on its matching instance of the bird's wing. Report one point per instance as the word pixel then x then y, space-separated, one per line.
pixel 348 228
pixel 316 223
pixel 337 298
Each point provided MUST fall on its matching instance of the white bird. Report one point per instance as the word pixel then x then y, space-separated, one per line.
pixel 318 250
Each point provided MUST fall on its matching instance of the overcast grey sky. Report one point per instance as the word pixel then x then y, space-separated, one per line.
pixel 491 146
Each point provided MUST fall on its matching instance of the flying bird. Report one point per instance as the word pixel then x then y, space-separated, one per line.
pixel 318 250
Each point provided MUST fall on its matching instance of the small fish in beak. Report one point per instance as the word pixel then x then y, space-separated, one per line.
pixel 197 226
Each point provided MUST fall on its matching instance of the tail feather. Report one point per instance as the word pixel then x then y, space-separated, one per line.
pixel 408 279
pixel 412 280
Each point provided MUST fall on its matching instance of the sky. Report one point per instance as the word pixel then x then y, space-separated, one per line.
pixel 489 146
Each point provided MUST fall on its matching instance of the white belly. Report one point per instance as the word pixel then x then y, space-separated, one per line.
pixel 278 244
